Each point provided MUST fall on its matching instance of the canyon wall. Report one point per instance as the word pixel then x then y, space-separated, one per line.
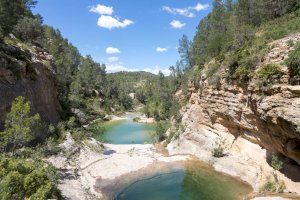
pixel 250 124
pixel 29 72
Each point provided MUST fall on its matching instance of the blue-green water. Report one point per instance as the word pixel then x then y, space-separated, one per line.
pixel 128 132
pixel 196 182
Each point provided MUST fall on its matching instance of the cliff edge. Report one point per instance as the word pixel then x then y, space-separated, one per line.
pixel 29 72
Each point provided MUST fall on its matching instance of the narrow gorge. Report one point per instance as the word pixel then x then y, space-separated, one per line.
pixel 138 111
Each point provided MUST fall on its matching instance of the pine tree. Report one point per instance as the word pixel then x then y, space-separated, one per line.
pixel 185 52
pixel 20 126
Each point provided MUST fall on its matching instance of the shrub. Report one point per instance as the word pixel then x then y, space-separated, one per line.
pixel 79 135
pixel 276 163
pixel 29 28
pixel 289 23
pixel 20 126
pixel 272 186
pixel 293 62
pixel 269 186
pixel 218 152
pixel 96 128
pixel 242 62
pixel 268 74
pixel 212 69
pixel 243 74
pixel 161 129
pixel 136 119
pixel 290 43
pixel 10 13
pixel 20 179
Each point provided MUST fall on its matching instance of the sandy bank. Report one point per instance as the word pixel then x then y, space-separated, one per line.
pixel 80 171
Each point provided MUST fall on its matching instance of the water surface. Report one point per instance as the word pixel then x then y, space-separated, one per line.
pixel 196 182
pixel 128 132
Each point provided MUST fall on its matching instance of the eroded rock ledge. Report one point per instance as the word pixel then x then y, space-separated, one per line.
pixel 253 125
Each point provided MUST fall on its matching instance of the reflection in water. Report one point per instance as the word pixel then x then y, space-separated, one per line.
pixel 129 132
pixel 196 182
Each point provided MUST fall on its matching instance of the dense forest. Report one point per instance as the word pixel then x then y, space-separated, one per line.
pixel 234 32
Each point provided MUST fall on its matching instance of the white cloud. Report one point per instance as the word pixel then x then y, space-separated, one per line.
pixel 160 49
pixel 168 9
pixel 113 59
pixel 177 24
pixel 112 50
pixel 102 9
pixel 110 22
pixel 187 12
pixel 200 7
pixel 157 69
pixel 184 11
pixel 107 19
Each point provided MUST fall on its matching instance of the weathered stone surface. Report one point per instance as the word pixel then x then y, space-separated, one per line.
pixel 27 73
pixel 251 127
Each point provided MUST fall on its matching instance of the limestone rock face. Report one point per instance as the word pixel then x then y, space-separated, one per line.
pixel 268 117
pixel 248 123
pixel 28 73
pixel 272 121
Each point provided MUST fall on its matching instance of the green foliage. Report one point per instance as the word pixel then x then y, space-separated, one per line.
pixel 121 84
pixel 213 76
pixel 276 163
pixel 242 62
pixel 29 28
pixel 290 43
pixel 175 132
pixel 157 96
pixel 21 179
pixel 66 59
pixel 243 74
pixel 272 186
pixel 243 29
pixel 97 128
pixel 280 27
pixel 129 82
pixel 212 69
pixel 186 53
pixel 20 126
pixel 293 61
pixel 161 129
pixel 268 74
pixel 218 151
pixel 89 77
pixel 11 12
pixel 136 119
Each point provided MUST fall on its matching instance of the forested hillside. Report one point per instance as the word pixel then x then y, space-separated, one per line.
pixel 230 48
pixel 237 33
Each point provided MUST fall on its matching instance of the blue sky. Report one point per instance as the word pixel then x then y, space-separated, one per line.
pixel 126 34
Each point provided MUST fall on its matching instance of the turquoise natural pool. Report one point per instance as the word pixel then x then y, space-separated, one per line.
pixel 192 180
pixel 195 182
pixel 128 132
